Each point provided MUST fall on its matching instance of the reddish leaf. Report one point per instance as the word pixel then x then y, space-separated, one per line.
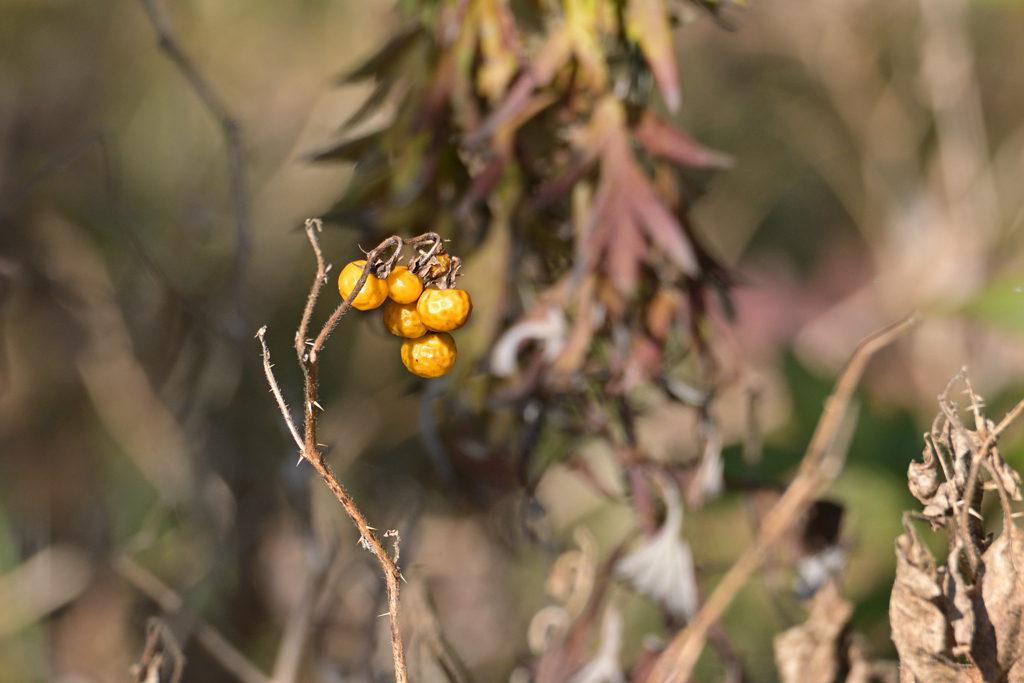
pixel 663 229
pixel 665 142
pixel 626 212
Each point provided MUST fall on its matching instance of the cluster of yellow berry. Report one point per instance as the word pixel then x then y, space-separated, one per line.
pixel 423 317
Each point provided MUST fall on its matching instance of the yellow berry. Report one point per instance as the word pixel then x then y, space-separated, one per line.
pixel 373 293
pixel 431 355
pixel 403 286
pixel 402 320
pixel 444 310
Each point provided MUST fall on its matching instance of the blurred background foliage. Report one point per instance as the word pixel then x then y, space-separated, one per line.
pixel 878 155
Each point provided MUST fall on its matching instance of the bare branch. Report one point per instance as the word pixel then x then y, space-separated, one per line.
pixel 160 642
pixel 229 128
pixel 313 227
pixel 268 369
pixel 677 661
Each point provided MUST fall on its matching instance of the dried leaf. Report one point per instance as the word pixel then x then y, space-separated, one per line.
pixel 917 614
pixel 1008 476
pixel 959 598
pixel 605 667
pixel 662 568
pixel 812 651
pixel 1002 590
pixel 923 477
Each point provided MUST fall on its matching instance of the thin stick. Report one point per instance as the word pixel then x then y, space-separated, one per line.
pixel 313 226
pixel 229 128
pixel 677 661
pixel 210 638
pixel 276 390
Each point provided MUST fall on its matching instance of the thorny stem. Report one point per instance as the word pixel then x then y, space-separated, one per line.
pixel 308 356
pixel 678 659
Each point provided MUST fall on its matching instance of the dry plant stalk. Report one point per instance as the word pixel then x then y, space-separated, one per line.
pixel 962 621
pixel 308 353
pixel 160 652
pixel 821 464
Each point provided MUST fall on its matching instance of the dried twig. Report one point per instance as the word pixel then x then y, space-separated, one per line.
pixel 677 661
pixel 160 644
pixel 276 390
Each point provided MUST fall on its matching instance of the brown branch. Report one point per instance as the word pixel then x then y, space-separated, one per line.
pixel 229 128
pixel 276 390
pixel 676 663
pixel 313 227
pixel 160 641
pixel 210 638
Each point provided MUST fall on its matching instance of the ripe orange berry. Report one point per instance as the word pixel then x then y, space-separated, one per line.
pixel 373 293
pixel 444 310
pixel 403 286
pixel 402 320
pixel 432 355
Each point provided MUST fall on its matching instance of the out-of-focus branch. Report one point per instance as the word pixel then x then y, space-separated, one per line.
pixel 950 79
pixel 229 128
pixel 207 636
pixel 160 644
pixel 296 629
pixel 677 661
